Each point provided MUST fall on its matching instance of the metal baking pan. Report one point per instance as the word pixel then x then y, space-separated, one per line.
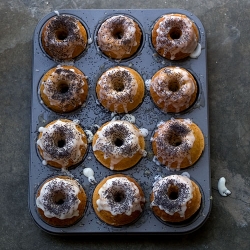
pixel 93 64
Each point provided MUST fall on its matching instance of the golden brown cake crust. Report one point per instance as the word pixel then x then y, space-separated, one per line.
pixel 119 219
pixel 193 153
pixel 56 222
pixel 120 89
pixel 64 89
pixel 125 162
pixel 71 162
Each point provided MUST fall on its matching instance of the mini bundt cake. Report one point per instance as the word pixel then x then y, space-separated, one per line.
pixel 61 201
pixel 118 200
pixel 62 143
pixel 175 198
pixel 118 145
pixel 173 89
pixel 119 37
pixel 175 36
pixel 120 89
pixel 64 37
pixel 64 89
pixel 178 143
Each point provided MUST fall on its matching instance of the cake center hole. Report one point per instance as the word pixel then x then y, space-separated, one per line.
pixel 175 33
pixel 175 140
pixel 61 34
pixel 59 198
pixel 119 196
pixel 118 86
pixel 61 143
pixel 63 87
pixel 173 193
pixel 118 142
pixel 173 86
pixel 118 34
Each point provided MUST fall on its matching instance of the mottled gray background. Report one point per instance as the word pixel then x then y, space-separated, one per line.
pixel 227 27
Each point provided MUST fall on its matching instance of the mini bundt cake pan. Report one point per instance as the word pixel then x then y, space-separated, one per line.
pixel 91 115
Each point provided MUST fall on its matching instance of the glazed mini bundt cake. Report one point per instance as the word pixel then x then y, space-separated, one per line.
pixel 64 37
pixel 118 145
pixel 63 89
pixel 178 143
pixel 120 89
pixel 173 89
pixel 175 198
pixel 62 143
pixel 175 36
pixel 119 37
pixel 118 200
pixel 61 201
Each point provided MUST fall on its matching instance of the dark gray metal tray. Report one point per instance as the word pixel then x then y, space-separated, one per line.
pixel 93 64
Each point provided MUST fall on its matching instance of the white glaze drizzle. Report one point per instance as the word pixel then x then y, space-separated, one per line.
pixel 143 132
pixel 155 160
pixel 76 121
pixel 56 12
pixel 186 174
pixel 89 135
pixel 40 129
pixel 90 40
pixel 222 187
pixel 89 173
pixel 147 84
pixel 44 163
pixel 196 52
